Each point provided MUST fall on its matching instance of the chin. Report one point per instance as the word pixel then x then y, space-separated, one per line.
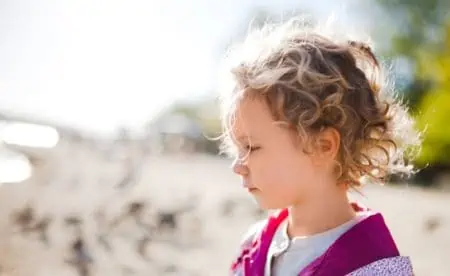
pixel 267 206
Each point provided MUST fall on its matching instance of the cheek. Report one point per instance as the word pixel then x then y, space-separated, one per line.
pixel 281 166
pixel 266 171
pixel 283 180
pixel 297 171
pixel 280 170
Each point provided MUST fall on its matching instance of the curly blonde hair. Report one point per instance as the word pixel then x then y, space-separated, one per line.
pixel 311 82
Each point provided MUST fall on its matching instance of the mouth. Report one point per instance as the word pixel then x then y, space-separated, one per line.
pixel 250 188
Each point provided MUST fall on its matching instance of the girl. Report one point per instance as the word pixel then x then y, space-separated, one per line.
pixel 307 118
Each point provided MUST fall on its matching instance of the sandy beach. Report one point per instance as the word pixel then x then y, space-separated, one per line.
pixel 197 213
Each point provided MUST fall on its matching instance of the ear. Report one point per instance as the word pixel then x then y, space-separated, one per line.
pixel 328 143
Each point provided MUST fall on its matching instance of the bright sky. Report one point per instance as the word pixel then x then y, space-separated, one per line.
pixel 100 64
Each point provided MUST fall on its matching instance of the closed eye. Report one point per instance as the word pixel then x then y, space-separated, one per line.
pixel 252 148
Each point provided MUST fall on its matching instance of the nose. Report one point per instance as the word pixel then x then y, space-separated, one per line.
pixel 239 167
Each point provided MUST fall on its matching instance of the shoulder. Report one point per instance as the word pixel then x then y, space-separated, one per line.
pixel 398 266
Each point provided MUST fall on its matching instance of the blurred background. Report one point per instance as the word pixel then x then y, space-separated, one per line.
pixel 104 110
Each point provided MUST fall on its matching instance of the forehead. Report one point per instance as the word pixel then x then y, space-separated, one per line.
pixel 252 117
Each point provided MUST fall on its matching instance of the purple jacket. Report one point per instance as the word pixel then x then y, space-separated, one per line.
pixel 366 249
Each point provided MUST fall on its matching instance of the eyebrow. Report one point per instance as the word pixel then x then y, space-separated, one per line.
pixel 244 138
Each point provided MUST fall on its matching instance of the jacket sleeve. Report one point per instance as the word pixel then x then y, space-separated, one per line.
pixel 395 266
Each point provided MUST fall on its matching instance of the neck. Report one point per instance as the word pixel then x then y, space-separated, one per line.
pixel 330 210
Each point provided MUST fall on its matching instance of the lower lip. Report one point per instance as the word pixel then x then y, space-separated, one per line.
pixel 251 190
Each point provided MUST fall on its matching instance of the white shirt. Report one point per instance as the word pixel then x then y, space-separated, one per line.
pixel 288 257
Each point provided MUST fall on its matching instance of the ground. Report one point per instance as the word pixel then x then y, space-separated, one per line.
pixel 213 213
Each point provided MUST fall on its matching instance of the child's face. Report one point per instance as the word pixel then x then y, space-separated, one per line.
pixel 276 170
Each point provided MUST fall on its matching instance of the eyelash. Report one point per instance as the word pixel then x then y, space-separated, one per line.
pixel 252 149
pixel 244 151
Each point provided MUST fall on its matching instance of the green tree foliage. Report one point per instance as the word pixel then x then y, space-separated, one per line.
pixel 434 108
pixel 419 24
pixel 423 37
